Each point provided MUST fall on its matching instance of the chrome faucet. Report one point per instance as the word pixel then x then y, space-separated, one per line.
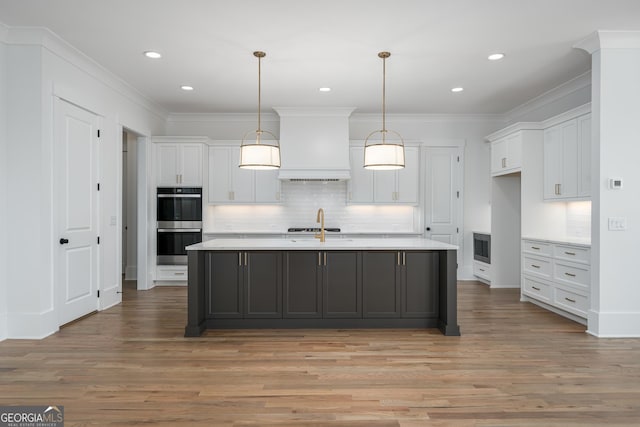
pixel 320 219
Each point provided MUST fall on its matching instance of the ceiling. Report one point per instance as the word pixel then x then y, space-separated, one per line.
pixel 435 45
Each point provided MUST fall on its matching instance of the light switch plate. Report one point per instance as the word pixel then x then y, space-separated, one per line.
pixel 617 223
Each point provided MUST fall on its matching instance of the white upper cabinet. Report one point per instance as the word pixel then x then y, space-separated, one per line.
pixel 384 187
pixel 230 184
pixel 178 164
pixel 567 160
pixel 506 154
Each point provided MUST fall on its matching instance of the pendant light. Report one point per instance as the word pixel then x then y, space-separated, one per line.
pixel 384 149
pixel 255 151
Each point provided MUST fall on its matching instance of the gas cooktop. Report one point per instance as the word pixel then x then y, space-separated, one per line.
pixel 311 230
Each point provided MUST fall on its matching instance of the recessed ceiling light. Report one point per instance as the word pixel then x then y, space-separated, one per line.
pixel 186 88
pixel 457 89
pixel 325 89
pixel 153 55
pixel 495 56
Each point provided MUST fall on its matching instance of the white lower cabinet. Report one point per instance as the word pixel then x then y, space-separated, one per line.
pixel 171 273
pixel 482 270
pixel 557 276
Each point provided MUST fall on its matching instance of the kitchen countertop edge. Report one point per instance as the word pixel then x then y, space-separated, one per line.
pixel 313 244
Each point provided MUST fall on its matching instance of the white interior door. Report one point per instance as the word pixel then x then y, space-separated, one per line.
pixel 443 179
pixel 76 168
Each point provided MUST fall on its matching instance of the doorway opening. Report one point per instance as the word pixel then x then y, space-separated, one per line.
pixel 129 210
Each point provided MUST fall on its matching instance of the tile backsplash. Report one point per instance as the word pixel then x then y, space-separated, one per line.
pixel 579 219
pixel 299 206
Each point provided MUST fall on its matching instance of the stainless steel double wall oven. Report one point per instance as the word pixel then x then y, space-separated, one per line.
pixel 179 214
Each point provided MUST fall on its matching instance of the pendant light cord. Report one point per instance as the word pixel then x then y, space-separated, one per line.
pixel 259 90
pixel 384 90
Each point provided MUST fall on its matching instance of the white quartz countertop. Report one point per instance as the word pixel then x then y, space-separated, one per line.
pixel 336 244
pixel 581 241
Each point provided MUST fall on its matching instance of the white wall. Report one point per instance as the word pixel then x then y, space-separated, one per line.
pixel 3 187
pixel 40 67
pixel 436 130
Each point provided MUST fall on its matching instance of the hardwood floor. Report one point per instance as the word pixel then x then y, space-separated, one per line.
pixel 514 365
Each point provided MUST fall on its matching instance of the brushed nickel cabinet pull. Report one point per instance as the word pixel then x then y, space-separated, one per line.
pixel 246 261
pixel 404 258
pixel 537 289
pixel 504 162
pixel 570 253
pixel 398 257
pixel 569 274
pixel 535 247
pixel 319 258
pixel 481 269
pixel 240 258
pixel 535 266
pixel 570 300
pixel 325 259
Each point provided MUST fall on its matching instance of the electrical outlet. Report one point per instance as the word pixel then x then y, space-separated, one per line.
pixel 617 223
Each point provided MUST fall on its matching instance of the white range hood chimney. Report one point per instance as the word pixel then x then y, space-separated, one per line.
pixel 314 143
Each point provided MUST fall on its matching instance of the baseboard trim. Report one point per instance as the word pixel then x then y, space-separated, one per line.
pixel 32 325
pixel 603 324
pixel 131 272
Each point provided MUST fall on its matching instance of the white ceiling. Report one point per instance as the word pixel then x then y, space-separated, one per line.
pixel 434 44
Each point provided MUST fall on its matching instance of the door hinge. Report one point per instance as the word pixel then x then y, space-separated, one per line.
pixel 458 159
pixel 98 133
pixel 98 293
pixel 457 229
pixel 458 194
pixel 98 239
pixel 98 186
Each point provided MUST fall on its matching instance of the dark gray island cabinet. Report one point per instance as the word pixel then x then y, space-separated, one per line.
pixel 279 284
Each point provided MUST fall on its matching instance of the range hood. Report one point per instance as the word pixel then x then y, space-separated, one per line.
pixel 314 144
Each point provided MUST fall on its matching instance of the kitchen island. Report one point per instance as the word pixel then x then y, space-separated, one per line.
pixel 305 283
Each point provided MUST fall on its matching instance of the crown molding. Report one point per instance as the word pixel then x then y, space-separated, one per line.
pixel 605 39
pixel 567 115
pixel 552 95
pixel 516 127
pixel 428 118
pixel 45 38
pixel 314 111
pixel 220 117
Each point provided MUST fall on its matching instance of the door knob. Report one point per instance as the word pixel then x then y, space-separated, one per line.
pixel 64 241
pixel 428 228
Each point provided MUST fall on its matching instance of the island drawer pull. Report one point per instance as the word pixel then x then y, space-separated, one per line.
pixel 570 253
pixel 570 300
pixel 240 258
pixel 245 259
pixel 569 274
pixel 404 258
pixel 325 258
pixel 537 289
pixel 535 266
pixel 319 258
pixel 398 257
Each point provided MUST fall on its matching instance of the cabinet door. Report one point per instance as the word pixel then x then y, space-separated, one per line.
pixel 569 187
pixel 384 185
pixel 263 284
pixel 342 284
pixel 420 284
pixel 242 180
pixel 219 175
pixel 191 165
pixel 552 162
pixel 223 291
pixel 408 178
pixel 381 284
pixel 267 186
pixel 167 161
pixel 302 284
pixel 514 152
pixel 361 183
pixel 584 156
pixel 498 156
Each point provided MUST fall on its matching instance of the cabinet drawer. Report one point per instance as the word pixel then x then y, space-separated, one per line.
pixel 538 290
pixel 572 253
pixel 572 302
pixel 482 270
pixel 538 248
pixel 537 266
pixel 171 272
pixel 573 274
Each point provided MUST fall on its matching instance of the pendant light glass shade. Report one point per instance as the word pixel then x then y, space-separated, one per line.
pixel 384 149
pixel 256 152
